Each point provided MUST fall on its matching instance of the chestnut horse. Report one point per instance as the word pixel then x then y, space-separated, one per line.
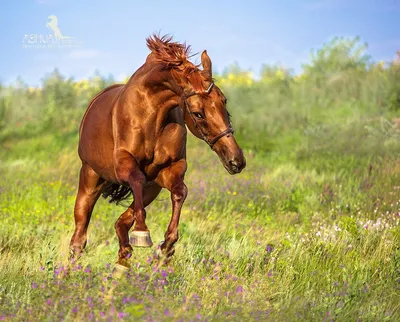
pixel 132 139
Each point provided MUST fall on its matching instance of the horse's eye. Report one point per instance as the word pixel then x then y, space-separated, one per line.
pixel 198 115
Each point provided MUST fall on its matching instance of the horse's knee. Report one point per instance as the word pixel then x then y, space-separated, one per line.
pixel 126 174
pixel 127 169
pixel 179 192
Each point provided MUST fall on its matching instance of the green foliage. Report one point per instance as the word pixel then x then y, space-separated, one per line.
pixel 349 224
pixel 339 55
pixel 393 92
pixel 308 231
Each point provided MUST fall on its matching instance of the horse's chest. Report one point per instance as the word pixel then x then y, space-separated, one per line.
pixel 170 144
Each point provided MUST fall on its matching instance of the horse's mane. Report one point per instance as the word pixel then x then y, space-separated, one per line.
pixel 176 57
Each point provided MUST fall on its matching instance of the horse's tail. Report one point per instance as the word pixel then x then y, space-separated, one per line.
pixel 115 192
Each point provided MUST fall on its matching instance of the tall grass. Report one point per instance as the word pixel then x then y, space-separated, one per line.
pixel 309 231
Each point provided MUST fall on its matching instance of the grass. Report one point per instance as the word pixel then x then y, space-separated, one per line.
pixel 309 231
pixel 273 242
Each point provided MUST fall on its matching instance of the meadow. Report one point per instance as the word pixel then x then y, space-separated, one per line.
pixel 309 231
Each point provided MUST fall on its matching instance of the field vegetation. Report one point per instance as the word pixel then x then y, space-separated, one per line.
pixel 309 231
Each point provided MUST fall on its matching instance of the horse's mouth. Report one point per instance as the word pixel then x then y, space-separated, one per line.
pixel 232 169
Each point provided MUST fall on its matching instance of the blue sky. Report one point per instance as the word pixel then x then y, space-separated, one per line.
pixel 250 33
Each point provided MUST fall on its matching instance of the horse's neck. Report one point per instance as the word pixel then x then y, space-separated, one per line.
pixel 158 86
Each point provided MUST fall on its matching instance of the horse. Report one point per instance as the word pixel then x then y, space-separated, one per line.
pixel 132 141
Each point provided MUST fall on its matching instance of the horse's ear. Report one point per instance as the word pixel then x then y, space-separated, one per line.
pixel 206 62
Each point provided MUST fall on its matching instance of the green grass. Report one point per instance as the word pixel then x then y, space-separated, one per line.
pixel 283 241
pixel 309 231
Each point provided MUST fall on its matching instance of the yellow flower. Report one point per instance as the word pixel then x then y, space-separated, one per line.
pixel 280 74
pixel 85 84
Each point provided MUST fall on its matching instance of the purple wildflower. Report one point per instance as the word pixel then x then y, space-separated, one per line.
pixel 122 315
pixel 90 300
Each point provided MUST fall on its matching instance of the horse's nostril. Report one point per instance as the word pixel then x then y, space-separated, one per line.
pixel 233 164
pixel 236 165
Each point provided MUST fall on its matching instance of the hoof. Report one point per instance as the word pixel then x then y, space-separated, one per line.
pixel 75 253
pixel 141 239
pixel 158 253
pixel 162 254
pixel 119 270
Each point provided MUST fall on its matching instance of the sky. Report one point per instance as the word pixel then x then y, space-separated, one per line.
pixel 109 36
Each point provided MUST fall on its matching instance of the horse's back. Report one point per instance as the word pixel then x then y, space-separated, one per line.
pixel 113 90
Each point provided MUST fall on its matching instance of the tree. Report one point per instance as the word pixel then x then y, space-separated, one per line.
pixel 339 55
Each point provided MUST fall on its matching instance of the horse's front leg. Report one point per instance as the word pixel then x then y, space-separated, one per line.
pixel 126 220
pixel 128 171
pixel 172 179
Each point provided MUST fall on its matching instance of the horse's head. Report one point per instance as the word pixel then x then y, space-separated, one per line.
pixel 207 118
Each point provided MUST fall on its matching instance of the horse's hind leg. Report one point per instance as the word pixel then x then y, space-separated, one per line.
pixel 126 220
pixel 89 190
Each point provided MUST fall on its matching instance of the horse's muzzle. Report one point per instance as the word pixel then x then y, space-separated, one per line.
pixel 236 165
pixel 230 154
